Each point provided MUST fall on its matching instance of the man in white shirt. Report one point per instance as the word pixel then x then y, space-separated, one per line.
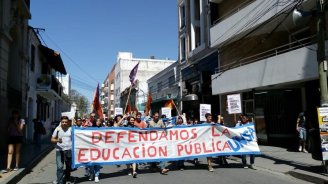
pixel 62 137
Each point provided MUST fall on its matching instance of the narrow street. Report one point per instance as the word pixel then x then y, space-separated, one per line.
pixel 45 172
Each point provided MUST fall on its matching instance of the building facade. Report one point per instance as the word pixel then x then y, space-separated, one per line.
pixel 14 16
pixel 197 59
pixel 45 91
pixel 147 68
pixel 269 60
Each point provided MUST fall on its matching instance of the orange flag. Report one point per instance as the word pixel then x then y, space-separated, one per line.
pixel 149 100
pixel 96 107
pixel 169 104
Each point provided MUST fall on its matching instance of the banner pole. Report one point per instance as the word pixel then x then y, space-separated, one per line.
pixel 176 107
pixel 126 104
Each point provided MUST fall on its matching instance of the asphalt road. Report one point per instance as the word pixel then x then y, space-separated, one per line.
pixel 45 172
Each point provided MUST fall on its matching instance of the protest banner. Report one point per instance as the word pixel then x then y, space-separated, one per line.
pixel 106 146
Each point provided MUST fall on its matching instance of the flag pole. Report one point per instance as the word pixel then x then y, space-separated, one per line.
pixel 126 104
pixel 175 107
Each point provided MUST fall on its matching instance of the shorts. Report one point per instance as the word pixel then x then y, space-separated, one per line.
pixel 302 134
pixel 15 139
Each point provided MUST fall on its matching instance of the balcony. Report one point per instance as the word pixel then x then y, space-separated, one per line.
pixel 277 67
pixel 244 20
pixel 49 87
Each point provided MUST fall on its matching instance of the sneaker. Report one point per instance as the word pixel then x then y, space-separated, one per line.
pixel 54 182
pixel 251 166
pixel 130 174
pixel 210 168
pixel 6 170
pixel 300 149
pixel 134 175
pixel 96 179
pixel 245 167
pixel 304 151
pixel 16 169
pixel 196 162
pixel 90 177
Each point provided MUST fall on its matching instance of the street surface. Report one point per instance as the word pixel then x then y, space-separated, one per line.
pixel 45 172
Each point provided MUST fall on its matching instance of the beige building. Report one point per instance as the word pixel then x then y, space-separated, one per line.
pixel 14 16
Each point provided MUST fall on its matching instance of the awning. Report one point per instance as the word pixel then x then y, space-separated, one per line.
pixel 54 59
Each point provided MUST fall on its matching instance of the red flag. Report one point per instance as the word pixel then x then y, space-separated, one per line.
pixel 96 107
pixel 133 74
pixel 169 104
pixel 149 100
pixel 128 109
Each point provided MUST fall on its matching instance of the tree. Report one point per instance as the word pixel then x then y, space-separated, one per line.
pixel 81 101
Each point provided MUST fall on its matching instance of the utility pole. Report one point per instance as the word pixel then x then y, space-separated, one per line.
pixel 321 55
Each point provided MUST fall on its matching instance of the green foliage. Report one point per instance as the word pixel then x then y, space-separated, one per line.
pixel 81 101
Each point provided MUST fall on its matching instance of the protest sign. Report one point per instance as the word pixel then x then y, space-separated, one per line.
pixel 234 104
pixel 203 109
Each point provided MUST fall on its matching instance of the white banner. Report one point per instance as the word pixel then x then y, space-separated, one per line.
pixel 131 145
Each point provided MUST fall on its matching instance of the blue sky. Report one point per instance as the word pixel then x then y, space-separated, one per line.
pixel 90 33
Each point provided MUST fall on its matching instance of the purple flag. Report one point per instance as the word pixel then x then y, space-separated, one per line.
pixel 133 73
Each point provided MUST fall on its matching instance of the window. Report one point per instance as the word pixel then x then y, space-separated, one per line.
pixel 182 48
pixel 32 63
pixel 182 14
pixel 159 86
pixel 171 81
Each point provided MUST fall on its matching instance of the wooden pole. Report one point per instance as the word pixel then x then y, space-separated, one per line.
pixel 126 104
pixel 176 107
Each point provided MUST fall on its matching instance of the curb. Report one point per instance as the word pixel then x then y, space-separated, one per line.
pixel 307 177
pixel 15 178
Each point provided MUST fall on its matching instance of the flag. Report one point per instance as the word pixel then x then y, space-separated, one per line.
pixel 149 100
pixel 128 109
pixel 133 74
pixel 96 107
pixel 169 104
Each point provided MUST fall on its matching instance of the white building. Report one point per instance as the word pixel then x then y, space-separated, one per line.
pixel 147 68
pixel 45 91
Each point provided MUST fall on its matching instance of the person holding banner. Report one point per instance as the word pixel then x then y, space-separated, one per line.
pixel 139 122
pixel 222 160
pixel 208 117
pixel 94 170
pixel 62 136
pixel 156 122
pixel 244 120
pixel 181 121
pixel 131 123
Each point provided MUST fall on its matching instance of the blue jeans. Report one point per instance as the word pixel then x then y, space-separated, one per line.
pixel 61 159
pixel 95 169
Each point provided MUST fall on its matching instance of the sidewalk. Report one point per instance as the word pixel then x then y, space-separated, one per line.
pixel 297 164
pixel 273 159
pixel 30 156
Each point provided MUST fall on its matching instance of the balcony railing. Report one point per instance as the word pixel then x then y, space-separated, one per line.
pixel 267 54
pixel 49 84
